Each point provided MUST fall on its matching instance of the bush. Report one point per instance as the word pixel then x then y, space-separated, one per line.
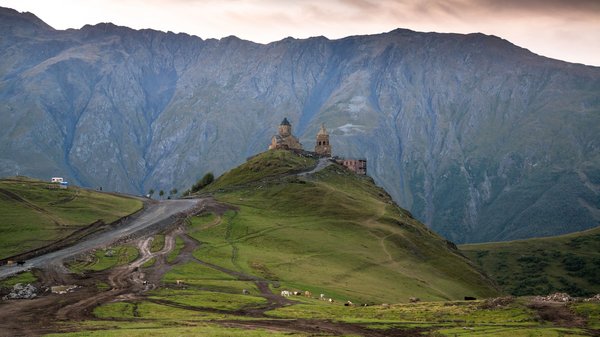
pixel 205 181
pixel 573 262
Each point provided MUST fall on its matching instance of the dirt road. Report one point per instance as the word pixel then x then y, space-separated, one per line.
pixel 156 214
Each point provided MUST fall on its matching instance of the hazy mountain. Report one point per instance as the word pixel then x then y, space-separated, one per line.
pixel 479 138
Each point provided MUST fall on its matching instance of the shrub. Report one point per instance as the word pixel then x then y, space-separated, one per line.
pixel 573 262
pixel 205 181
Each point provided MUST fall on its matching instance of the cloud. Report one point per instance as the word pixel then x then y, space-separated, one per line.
pixel 557 28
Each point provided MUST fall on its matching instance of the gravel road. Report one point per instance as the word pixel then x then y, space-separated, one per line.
pixel 153 214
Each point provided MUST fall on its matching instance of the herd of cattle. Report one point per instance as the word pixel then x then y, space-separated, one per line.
pixel 308 294
pixel 288 293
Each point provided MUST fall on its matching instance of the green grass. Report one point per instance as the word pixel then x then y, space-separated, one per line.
pixel 146 310
pixel 203 221
pixel 589 310
pixel 208 299
pixel 334 233
pixel 149 263
pixel 192 272
pixel 102 286
pixel 567 263
pixel 197 276
pixel 429 313
pixel 41 215
pixel 503 331
pixel 199 329
pixel 270 164
pixel 102 259
pixel 157 243
pixel 176 250
pixel 23 278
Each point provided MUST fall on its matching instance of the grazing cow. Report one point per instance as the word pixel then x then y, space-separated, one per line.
pixel 470 298
pixel 414 299
pixel 20 263
pixel 297 293
pixel 322 297
pixel 179 282
pixel 285 293
pixel 245 292
pixel 330 300
pixel 307 294
pixel 348 304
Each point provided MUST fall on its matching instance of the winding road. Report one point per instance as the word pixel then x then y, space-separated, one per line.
pixel 155 214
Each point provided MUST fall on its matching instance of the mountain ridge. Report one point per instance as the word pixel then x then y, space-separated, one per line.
pixel 475 136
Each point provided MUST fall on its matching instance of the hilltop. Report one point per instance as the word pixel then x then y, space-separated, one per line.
pixel 283 222
pixel 478 138
pixel 332 232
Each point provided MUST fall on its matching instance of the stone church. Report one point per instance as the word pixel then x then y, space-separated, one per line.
pixel 285 139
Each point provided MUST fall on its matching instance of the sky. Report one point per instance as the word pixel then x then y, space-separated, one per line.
pixel 568 30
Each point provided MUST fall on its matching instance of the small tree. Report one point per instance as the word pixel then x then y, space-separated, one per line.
pixel 151 192
pixel 161 193
pixel 205 181
pixel 173 191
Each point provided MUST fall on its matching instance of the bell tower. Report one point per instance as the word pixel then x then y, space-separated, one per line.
pixel 322 146
pixel 285 128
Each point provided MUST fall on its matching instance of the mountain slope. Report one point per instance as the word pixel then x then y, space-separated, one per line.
pixel 332 232
pixel 478 138
pixel 567 263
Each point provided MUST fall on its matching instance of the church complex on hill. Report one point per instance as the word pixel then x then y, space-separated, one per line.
pixel 287 141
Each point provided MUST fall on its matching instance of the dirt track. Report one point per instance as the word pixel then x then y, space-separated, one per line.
pixel 38 316
pixel 157 215
pixel 48 312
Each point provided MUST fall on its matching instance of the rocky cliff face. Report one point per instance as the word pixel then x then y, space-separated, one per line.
pixel 479 138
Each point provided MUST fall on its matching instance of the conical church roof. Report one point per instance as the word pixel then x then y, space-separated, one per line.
pixel 322 131
pixel 285 121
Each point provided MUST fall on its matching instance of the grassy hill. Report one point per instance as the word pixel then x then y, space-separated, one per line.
pixel 332 232
pixel 567 263
pixel 33 215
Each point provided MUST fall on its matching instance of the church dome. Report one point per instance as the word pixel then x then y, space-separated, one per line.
pixel 285 122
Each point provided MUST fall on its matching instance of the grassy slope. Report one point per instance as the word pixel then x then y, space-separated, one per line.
pixel 43 215
pixel 337 234
pixel 100 260
pixel 569 263
pixel 329 239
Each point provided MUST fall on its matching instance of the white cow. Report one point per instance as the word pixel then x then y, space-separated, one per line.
pixel 322 297
pixel 285 293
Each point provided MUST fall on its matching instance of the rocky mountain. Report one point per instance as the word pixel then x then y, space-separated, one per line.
pixel 480 139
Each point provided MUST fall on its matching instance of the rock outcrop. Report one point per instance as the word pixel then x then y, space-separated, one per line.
pixel 21 291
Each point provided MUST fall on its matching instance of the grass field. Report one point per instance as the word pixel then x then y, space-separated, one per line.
pixel 34 215
pixel 24 278
pixel 335 233
pixel 103 259
pixel 567 263
pixel 181 311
